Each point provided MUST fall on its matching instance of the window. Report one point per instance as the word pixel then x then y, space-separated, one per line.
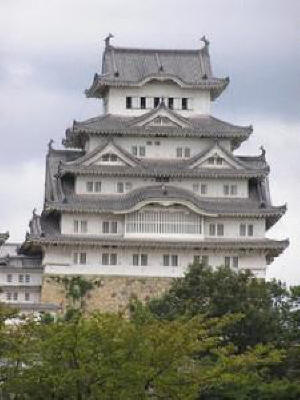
pixel 128 102
pixel 216 229
pixel 157 143
pixel 8 296
pixel 195 187
pixel 242 229
pixel 15 296
pixel 166 260
pixel 170 260
pixel 134 150
pixel 156 102
pixel 220 230
pixel 174 260
pixel 27 296
pixel 140 259
pixel 83 226
pixel 235 262
pixel 79 258
pixel 144 260
pixel 233 190
pixel 219 161
pixel 135 259
pixel 97 186
pixel 89 186
pixel 105 157
pixel 250 230
pixel 179 152
pixel 109 259
pixel 109 157
pixel 93 186
pixel 171 103
pixel 105 259
pixel 246 229
pixel 128 186
pixel 187 152
pixel 113 259
pixel 27 278
pixel 184 103
pixel 142 151
pixel 231 261
pixel 105 227
pixel 75 226
pixel 226 190
pixel 203 188
pixel 212 229
pixel 211 160
pixel 143 103
pixel 114 227
pixel 149 143
pixel 9 278
pixel 201 259
pixel 109 227
pixel 21 278
pixel 205 260
pixel 120 187
pixel 227 262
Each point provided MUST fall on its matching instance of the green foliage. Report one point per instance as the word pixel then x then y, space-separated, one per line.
pixel 108 357
pixel 219 292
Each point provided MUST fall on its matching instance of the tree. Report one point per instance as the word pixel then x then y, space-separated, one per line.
pixel 215 293
pixel 106 356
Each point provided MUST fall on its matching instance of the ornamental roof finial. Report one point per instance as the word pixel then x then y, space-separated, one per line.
pixel 263 152
pixel 107 39
pixel 205 41
pixel 51 141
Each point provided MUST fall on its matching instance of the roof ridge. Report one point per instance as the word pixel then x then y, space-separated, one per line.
pixel 153 50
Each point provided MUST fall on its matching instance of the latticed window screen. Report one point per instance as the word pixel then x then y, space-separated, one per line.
pixel 163 222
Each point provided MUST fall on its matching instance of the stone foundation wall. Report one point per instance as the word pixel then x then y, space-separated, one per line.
pixel 113 293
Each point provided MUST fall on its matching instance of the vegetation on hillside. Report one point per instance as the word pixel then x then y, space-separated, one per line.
pixel 215 335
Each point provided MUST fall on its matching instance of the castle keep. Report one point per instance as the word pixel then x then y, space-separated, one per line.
pixel 153 183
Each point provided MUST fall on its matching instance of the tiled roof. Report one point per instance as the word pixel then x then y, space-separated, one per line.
pixel 144 167
pixel 133 67
pixel 201 126
pixel 272 248
pixel 160 193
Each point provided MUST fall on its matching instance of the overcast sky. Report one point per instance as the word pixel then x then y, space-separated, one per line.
pixel 50 50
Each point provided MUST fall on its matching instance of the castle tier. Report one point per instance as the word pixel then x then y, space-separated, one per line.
pixel 153 183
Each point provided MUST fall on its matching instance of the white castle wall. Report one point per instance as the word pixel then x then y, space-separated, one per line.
pixel 94 222
pixel 55 257
pixel 165 150
pixel 116 99
pixel 214 187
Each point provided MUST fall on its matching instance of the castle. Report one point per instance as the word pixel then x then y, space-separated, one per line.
pixel 152 184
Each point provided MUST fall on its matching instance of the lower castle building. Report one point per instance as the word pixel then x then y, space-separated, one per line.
pixel 21 279
pixel 153 184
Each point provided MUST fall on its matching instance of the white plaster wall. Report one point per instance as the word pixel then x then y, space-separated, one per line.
pixel 35 278
pixel 165 150
pixel 214 187
pixel 94 223
pixel 116 100
pixel 34 297
pixel 155 266
pixel 232 227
